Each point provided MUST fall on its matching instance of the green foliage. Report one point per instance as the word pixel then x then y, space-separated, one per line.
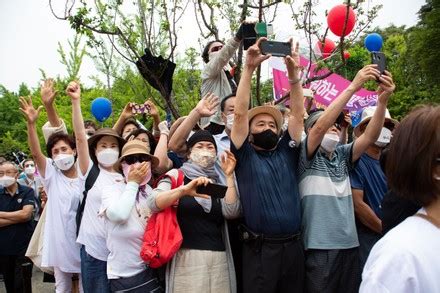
pixel 73 60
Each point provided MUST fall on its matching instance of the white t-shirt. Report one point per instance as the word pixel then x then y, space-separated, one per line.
pixel 406 259
pixel 92 232
pixel 59 245
pixel 124 240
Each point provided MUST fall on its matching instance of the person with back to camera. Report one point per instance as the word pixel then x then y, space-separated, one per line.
pixel 407 258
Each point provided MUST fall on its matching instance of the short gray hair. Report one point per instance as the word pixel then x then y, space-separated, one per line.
pixel 10 163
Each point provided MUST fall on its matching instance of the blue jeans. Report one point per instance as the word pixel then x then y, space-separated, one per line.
pixel 94 274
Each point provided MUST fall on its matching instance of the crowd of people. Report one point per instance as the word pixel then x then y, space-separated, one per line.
pixel 304 209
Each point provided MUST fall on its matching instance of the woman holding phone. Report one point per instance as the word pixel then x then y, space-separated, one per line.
pixel 204 261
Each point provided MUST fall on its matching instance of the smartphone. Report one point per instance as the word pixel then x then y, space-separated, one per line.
pixel 278 49
pixel 140 108
pixel 379 59
pixel 249 35
pixel 213 190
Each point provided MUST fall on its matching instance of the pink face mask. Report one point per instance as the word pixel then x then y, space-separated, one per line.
pixel 126 170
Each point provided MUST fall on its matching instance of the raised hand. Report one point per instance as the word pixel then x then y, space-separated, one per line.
pixel 191 188
pixel 254 57
pixel 228 163
pixel 369 72
pixel 28 109
pixel 163 127
pixel 386 87
pixel 73 90
pixel 207 106
pixel 138 172
pixel 293 61
pixel 47 92
pixel 153 109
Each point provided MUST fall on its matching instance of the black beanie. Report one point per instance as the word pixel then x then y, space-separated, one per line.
pixel 201 135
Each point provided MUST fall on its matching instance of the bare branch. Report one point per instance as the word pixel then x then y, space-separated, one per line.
pixel 212 30
pixel 262 6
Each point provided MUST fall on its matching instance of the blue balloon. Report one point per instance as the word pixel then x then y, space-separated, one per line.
pixel 373 42
pixel 101 108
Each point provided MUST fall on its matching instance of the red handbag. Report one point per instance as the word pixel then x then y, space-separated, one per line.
pixel 162 237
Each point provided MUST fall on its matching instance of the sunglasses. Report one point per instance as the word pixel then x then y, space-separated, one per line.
pixel 136 159
pixel 216 48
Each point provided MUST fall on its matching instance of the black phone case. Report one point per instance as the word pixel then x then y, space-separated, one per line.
pixel 249 35
pixel 213 190
pixel 379 59
pixel 278 49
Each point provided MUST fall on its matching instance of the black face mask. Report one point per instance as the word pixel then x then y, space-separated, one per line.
pixel 266 140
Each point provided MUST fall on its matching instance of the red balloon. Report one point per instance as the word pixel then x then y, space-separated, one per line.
pixel 336 19
pixel 326 48
pixel 346 55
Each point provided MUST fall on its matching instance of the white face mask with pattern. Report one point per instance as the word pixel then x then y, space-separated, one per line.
pixel 203 158
pixel 384 138
pixel 64 161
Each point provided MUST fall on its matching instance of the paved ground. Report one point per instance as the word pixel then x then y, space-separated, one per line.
pixel 37 283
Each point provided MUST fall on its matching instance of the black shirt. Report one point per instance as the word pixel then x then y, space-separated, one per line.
pixel 395 210
pixel 200 230
pixel 15 238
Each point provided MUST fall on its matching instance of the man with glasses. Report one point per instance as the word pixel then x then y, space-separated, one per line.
pixel 16 227
pixel 369 185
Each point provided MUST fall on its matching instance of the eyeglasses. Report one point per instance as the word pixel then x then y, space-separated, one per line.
pixel 136 159
pixel 216 48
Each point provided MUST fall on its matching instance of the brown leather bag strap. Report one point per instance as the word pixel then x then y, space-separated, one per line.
pixel 429 219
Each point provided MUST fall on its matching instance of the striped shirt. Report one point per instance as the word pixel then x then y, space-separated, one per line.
pixel 327 204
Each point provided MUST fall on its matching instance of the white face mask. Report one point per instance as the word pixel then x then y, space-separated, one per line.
pixel 29 170
pixel 64 161
pixel 203 158
pixel 329 142
pixel 7 181
pixel 107 157
pixel 384 138
pixel 229 121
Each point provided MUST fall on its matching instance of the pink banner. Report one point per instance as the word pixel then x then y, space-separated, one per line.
pixel 326 90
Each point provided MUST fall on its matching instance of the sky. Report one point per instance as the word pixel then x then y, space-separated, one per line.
pixel 29 35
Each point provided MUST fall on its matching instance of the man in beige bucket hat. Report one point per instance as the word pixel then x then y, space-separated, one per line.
pixel 266 177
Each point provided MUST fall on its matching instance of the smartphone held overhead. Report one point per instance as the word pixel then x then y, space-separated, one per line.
pixel 140 108
pixel 277 49
pixel 379 59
